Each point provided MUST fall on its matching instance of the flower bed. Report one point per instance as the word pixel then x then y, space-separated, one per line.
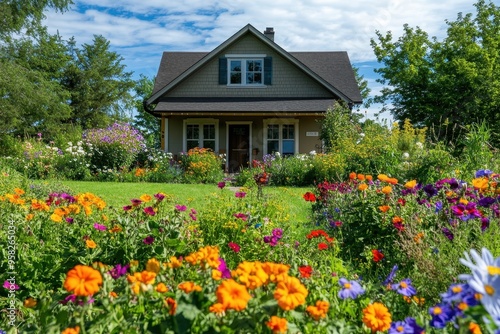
pixel 74 265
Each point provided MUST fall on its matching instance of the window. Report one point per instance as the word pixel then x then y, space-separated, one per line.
pixel 245 72
pixel 240 70
pixel 281 136
pixel 200 133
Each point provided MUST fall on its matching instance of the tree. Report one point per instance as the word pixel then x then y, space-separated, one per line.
pixel 147 123
pixel 16 15
pixel 99 86
pixel 454 82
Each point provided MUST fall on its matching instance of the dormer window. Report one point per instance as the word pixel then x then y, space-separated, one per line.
pixel 238 70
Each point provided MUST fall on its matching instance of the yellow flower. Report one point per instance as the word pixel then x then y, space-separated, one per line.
pixel 56 218
pixel 18 191
pixel 411 184
pixel 377 317
pixel 30 216
pixel 232 295
pixel 362 187
pixel 145 198
pixel 480 183
pixel 153 266
pixel 161 287
pixel 216 274
pixel 277 324
pixel 290 293
pixel 90 243
pixel 387 190
pixel 189 287
pixel 29 302
pixel 174 262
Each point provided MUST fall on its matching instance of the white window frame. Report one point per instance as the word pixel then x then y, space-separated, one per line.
pixel 244 58
pixel 200 122
pixel 281 122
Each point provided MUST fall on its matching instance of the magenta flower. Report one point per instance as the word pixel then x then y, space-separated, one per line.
pixel 180 208
pixel 234 246
pixel 160 197
pixel 241 216
pixel 136 201
pixel 240 194
pixel 148 240
pixel 68 299
pixel 10 286
pixel 149 211
pixel 127 208
pixel 278 233
pixel 226 273
pixel 69 220
pixel 119 270
pixel 100 227
pixel 221 185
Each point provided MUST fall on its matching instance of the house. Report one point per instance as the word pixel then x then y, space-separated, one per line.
pixel 248 97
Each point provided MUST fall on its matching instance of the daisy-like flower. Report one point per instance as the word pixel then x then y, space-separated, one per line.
pixel 150 211
pixel 407 326
pixel 232 295
pixel 377 317
pixel 180 208
pixel 305 271
pixel 350 289
pixel 100 227
pixel 405 288
pixel 290 293
pixel 441 314
pixel 83 280
pixel 277 325
pixel 234 246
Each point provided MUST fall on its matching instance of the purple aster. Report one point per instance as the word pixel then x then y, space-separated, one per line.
pixel 278 233
pixel 412 323
pixel 148 240
pixel 68 299
pixel 226 273
pixel 404 288
pixel 455 292
pixel 149 211
pixel 486 202
pixel 119 270
pixel 439 206
pixel 240 194
pixel 69 220
pixel 221 185
pixel 441 314
pixel 391 275
pixel 10 286
pixel 180 208
pixel 350 289
pixel 100 227
pixel 408 326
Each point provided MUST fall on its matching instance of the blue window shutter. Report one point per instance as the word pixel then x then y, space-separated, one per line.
pixel 268 70
pixel 222 71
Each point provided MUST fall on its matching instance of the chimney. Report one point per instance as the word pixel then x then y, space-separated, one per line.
pixel 269 33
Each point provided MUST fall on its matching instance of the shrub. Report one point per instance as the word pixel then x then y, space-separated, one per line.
pixel 115 147
pixel 201 165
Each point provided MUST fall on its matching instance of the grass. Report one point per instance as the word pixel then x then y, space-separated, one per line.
pixel 118 194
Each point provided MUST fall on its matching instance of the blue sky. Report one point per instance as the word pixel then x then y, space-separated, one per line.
pixel 141 30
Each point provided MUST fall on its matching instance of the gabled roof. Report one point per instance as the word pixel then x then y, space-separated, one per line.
pixel 332 70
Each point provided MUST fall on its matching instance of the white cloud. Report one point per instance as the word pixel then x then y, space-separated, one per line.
pixel 141 30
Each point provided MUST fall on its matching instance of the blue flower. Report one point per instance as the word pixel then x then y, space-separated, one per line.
pixel 350 289
pixel 408 326
pixel 405 288
pixel 483 173
pixel 441 315
pixel 390 278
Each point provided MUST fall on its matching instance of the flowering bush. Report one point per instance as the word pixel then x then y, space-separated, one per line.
pixel 114 147
pixel 201 165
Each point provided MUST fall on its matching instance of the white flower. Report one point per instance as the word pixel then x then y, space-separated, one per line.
pixel 313 152
pixel 361 134
pixel 406 155
pixel 419 145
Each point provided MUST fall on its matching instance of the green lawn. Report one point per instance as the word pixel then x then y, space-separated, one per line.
pixel 118 194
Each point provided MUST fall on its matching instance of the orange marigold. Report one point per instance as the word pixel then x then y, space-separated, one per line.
pixel 161 287
pixel 474 328
pixel 83 280
pixel 218 309
pixel 277 324
pixel 387 190
pixel 384 208
pixel 153 266
pixel 411 184
pixel 290 293
pixel 71 330
pixel 30 302
pixel 377 317
pixel 232 295
pixel 90 243
pixel 319 310
pixel 171 304
pixel 189 287
pixel 362 187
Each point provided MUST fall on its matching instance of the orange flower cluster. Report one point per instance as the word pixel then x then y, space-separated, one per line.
pixel 15 198
pixel 141 281
pixel 189 287
pixel 319 310
pixel 485 184
pixel 360 177
pixel 385 178
pixel 257 274
pixel 207 255
pixel 83 280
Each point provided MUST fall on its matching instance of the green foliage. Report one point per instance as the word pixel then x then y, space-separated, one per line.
pixel 147 123
pixel 453 81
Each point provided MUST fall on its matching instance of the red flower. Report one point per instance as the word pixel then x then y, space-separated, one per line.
pixel 305 271
pixel 234 246
pixel 322 246
pixel 377 255
pixel 401 201
pixel 309 197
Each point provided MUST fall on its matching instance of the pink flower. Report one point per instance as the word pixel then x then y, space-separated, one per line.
pixel 234 246
pixel 100 227
pixel 136 202
pixel 221 185
pixel 180 208
pixel 240 194
pixel 149 211
pixel 148 240
pixel 127 208
pixel 159 197
pixel 10 286
pixel 241 216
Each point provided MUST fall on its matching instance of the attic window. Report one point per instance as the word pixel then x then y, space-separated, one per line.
pixel 245 71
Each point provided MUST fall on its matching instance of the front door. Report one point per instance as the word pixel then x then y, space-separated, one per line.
pixel 239 147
